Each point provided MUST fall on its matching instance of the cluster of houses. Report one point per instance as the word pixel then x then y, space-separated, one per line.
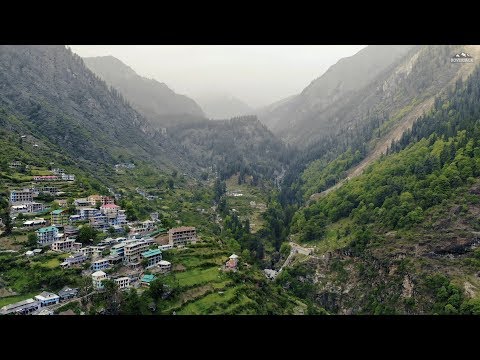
pixel 39 304
pixel 134 253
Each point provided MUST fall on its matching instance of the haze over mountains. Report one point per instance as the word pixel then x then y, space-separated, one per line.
pixel 223 106
pixel 154 100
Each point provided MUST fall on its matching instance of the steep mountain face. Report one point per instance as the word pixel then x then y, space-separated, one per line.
pixel 362 129
pixel 303 118
pixel 403 236
pixel 53 94
pixel 154 100
pixel 222 106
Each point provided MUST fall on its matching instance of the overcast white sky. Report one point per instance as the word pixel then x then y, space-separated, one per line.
pixel 257 74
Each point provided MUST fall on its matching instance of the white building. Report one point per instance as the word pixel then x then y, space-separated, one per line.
pixel 68 177
pixel 35 222
pixel 97 278
pixel 74 259
pixel 45 298
pixel 164 266
pixel 123 282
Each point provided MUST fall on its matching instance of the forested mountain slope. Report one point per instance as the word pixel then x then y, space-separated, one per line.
pixel 389 106
pixel 403 236
pixel 56 96
pixel 242 145
pixel 154 100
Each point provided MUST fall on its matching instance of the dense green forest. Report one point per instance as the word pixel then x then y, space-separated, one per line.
pixel 240 145
pixel 408 195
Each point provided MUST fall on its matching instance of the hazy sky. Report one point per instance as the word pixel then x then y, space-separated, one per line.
pixel 256 74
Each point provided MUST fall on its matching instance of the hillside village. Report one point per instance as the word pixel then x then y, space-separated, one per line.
pixel 130 253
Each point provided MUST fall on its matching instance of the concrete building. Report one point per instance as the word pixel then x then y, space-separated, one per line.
pixel 102 199
pixel 99 221
pixel 75 218
pixel 47 235
pixel 153 257
pixel 82 202
pixel 110 210
pixel 123 282
pixel 87 213
pixel 142 227
pixel 46 298
pixel 67 293
pixel 28 207
pixel 20 196
pixel 67 177
pixel 97 278
pixel 70 231
pixel 59 217
pixel 182 235
pixel 66 245
pixel 132 252
pixel 74 259
pixel 118 250
pixel 86 251
pixel 52 190
pixel 121 218
pixel 101 264
pixel 164 266
pixel 46 178
pixel 24 307
pixel 35 222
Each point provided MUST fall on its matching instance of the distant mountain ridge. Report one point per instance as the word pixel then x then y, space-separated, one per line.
pixel 153 99
pixel 223 106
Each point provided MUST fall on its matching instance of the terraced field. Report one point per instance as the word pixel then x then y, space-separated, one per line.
pixel 251 203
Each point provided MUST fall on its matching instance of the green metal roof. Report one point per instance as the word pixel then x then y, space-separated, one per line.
pixel 47 229
pixel 151 253
pixel 148 278
pixel 57 212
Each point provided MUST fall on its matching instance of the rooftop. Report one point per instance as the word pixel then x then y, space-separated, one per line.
pixel 164 262
pixel 47 229
pixel 233 256
pixel 151 253
pixel 56 212
pixel 148 278
pixel 98 273
pixel 20 303
pixel 45 295
pixel 182 228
